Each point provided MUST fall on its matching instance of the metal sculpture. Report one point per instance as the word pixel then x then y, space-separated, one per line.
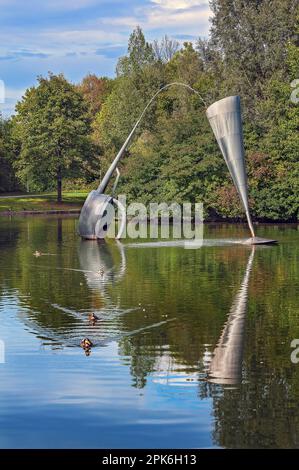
pixel 97 211
pixel 225 119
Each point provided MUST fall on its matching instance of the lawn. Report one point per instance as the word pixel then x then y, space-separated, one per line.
pixel 42 202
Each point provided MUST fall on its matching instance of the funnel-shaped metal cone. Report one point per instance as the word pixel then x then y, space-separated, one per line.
pixel 225 119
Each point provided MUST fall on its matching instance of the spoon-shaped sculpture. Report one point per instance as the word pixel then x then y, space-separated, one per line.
pixel 97 211
pixel 225 118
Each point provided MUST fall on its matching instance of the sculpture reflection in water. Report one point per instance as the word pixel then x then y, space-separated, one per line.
pixel 226 365
pixel 98 264
pixel 64 324
pixel 100 271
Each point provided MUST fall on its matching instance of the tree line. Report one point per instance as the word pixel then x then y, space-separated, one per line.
pixel 67 134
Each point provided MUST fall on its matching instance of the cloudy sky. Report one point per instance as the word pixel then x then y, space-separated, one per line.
pixel 80 36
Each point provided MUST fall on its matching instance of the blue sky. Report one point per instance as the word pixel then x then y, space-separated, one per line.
pixel 76 37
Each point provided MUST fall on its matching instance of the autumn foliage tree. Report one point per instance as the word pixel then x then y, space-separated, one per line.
pixel 251 51
pixel 95 90
pixel 52 129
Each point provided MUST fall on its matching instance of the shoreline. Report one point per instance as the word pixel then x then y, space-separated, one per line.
pixel 39 212
pixel 77 212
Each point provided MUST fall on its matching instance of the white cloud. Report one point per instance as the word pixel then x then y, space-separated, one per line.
pixel 57 43
pixel 62 5
pixel 69 4
pixel 14 93
pixel 11 97
pixel 2 91
pixel 180 16
pixel 127 21
pixel 80 37
pixel 179 4
pixel 160 17
pixel 75 47
pixel 196 19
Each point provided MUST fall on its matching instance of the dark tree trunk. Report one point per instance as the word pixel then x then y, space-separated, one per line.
pixel 59 185
pixel 59 230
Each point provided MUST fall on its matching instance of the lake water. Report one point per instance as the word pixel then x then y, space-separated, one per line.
pixel 191 349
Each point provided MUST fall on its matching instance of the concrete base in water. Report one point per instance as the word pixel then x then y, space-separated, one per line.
pixel 259 241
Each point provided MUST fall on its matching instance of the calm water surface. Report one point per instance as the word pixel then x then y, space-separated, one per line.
pixel 192 347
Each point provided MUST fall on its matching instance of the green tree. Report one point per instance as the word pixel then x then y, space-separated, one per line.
pixel 139 76
pixel 252 51
pixel 276 192
pixel 8 180
pixel 186 65
pixel 140 54
pixel 252 38
pixel 52 128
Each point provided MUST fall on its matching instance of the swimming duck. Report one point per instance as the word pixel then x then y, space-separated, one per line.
pixel 37 253
pixel 92 317
pixel 86 343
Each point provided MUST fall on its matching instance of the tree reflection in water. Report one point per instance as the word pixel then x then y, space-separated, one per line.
pixel 165 310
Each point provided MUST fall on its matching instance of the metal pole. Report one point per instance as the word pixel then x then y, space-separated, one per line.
pixel 114 164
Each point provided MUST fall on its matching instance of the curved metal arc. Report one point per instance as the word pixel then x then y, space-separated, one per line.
pixel 110 171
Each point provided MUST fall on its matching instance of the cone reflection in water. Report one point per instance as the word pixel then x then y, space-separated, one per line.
pixel 226 365
pixel 225 119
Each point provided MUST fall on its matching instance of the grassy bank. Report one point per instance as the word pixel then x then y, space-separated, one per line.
pixel 42 202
